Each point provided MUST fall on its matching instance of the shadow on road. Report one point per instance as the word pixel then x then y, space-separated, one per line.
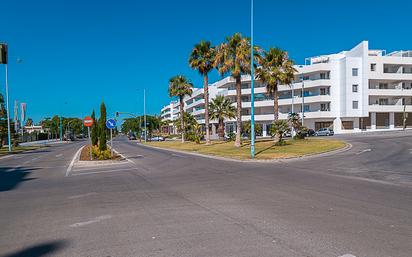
pixel 11 177
pixel 39 250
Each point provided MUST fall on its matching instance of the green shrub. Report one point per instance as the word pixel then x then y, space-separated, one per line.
pixel 231 136
pixel 101 154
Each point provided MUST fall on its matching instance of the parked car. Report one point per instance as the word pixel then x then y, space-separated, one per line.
pixel 310 133
pixel 324 132
pixel 157 138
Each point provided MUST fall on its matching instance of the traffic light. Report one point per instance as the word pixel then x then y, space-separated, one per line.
pixel 3 54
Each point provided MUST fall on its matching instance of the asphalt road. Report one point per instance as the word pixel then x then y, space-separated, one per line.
pixel 160 203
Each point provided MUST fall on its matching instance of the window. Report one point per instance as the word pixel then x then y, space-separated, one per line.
pixel 347 124
pixel 373 66
pixel 355 72
pixel 324 107
pixel 354 88
pixel 355 105
pixel 322 76
pixel 306 108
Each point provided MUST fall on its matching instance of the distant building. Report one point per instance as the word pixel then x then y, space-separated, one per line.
pixel 351 91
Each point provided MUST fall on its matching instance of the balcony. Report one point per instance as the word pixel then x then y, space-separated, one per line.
pixel 390 92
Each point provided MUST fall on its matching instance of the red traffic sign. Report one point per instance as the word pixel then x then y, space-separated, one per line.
pixel 88 121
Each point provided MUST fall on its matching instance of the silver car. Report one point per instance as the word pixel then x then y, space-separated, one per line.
pixel 324 132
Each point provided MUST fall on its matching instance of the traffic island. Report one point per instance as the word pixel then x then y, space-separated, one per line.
pixel 98 156
pixel 264 149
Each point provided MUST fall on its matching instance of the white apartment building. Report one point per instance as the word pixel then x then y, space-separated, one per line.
pixel 351 91
pixel 168 114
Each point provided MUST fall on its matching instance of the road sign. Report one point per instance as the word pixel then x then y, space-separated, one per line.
pixel 88 121
pixel 110 123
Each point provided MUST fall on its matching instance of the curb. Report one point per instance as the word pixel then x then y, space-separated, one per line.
pixel 347 147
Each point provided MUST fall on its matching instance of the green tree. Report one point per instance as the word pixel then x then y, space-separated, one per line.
pixel 95 130
pixel 221 108
pixel 29 122
pixel 180 86
pixel 102 128
pixel 3 121
pixel 275 69
pixel 55 125
pixel 247 128
pixel 233 57
pixel 278 129
pixel 201 59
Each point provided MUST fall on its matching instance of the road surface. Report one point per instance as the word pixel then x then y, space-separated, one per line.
pixel 160 203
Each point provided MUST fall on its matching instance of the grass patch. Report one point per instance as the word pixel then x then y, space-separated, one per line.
pixel 264 149
pixel 18 149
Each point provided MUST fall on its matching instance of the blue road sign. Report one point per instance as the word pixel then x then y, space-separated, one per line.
pixel 110 123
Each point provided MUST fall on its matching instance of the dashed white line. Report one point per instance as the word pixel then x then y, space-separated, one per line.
pixel 59 155
pixel 347 255
pixel 97 219
pixel 81 196
pixel 364 151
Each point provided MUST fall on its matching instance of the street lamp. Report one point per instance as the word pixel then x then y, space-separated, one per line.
pixel 252 87
pixel 303 100
pixel 144 113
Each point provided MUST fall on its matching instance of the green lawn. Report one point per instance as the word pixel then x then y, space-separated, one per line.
pixel 18 149
pixel 264 149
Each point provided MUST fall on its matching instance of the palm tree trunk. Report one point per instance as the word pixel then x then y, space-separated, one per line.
pixel 206 97
pixel 182 119
pixel 275 104
pixel 275 107
pixel 239 110
pixel 221 129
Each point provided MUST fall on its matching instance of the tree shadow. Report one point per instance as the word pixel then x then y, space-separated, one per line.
pixel 11 177
pixel 39 250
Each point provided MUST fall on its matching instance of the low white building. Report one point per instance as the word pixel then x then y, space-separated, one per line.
pixel 350 91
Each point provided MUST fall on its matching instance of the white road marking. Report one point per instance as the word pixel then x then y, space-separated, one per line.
pixel 364 151
pixel 81 196
pixel 178 155
pixel 97 219
pixel 103 171
pixel 5 157
pixel 347 255
pixel 59 155
pixel 31 160
pixel 73 160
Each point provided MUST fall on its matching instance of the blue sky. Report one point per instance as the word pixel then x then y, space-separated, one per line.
pixel 77 53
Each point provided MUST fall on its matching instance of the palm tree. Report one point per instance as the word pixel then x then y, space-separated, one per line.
pixel 233 56
pixel 180 86
pixel 279 128
pixel 275 69
pixel 201 59
pixel 221 108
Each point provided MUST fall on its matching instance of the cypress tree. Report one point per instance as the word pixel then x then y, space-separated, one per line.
pixel 95 128
pixel 102 128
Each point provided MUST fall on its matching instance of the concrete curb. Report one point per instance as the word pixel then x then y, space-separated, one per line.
pixel 347 147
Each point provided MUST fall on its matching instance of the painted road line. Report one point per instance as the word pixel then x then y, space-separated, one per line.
pixel 59 155
pixel 99 172
pixel 347 255
pixel 81 196
pixel 178 155
pixel 73 160
pixel 5 157
pixel 97 219
pixel 124 157
pixel 364 151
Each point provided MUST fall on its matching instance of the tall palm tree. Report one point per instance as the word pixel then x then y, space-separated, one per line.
pixel 221 108
pixel 275 69
pixel 233 57
pixel 201 59
pixel 180 87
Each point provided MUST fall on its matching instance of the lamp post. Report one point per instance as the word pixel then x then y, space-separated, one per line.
pixel 293 108
pixel 303 101
pixel 144 113
pixel 252 87
pixel 7 107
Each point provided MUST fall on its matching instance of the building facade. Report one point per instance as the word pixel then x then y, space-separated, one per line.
pixel 351 91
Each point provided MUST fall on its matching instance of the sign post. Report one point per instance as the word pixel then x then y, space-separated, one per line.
pixel 88 122
pixel 111 124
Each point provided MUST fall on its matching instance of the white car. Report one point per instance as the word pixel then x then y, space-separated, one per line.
pixel 324 132
pixel 157 139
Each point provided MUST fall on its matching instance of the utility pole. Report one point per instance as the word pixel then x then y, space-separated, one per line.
pixel 7 105
pixel 144 110
pixel 404 114
pixel 252 87
pixel 303 102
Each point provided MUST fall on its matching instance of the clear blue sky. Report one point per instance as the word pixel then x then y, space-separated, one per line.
pixel 82 52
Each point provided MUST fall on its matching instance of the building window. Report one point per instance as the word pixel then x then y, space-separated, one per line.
pixel 306 108
pixel 354 88
pixel 324 107
pixel 373 66
pixel 355 105
pixel 355 72
pixel 347 124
